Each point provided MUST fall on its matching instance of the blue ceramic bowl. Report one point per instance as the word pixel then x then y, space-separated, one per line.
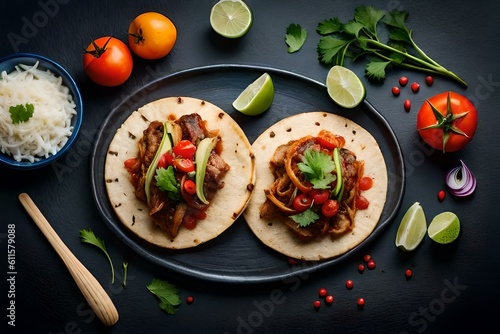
pixel 8 64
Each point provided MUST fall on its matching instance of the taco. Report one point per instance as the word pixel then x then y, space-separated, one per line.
pixel 179 171
pixel 299 160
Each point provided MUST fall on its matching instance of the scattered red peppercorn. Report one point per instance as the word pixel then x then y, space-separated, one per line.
pixel 395 91
pixel 408 273
pixel 407 105
pixel 371 264
pixel 429 80
pixel 329 300
pixel 367 257
pixel 322 292
pixel 349 284
pixel 189 299
pixel 403 81
pixel 415 87
pixel 441 195
pixel 317 304
pixel 361 267
pixel 361 302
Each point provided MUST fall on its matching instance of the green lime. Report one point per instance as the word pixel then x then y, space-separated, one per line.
pixel 344 87
pixel 412 228
pixel 256 97
pixel 444 228
pixel 231 18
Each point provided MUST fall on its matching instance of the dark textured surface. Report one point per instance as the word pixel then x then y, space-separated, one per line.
pixel 453 288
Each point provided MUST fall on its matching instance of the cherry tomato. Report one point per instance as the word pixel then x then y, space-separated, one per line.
pixel 189 222
pixel 365 183
pixel 330 208
pixel 151 35
pixel 302 202
pixel 130 163
pixel 165 160
pixel 319 196
pixel 328 140
pixel 361 202
pixel 108 61
pixel 190 186
pixel 184 149
pixel 184 165
pixel 447 121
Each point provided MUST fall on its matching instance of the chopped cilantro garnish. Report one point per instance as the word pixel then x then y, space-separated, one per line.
pixel 295 37
pixel 305 218
pixel 21 113
pixel 167 293
pixel 166 181
pixel 317 167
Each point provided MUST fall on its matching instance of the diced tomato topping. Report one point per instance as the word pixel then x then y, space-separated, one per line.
pixel 129 163
pixel 184 165
pixel 190 186
pixel 365 183
pixel 185 149
pixel 165 160
pixel 330 208
pixel 361 202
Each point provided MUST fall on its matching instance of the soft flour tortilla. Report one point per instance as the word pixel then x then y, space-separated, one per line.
pixel 229 201
pixel 274 233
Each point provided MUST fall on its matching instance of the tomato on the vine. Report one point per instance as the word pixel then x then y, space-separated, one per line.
pixel 302 202
pixel 447 121
pixel 108 61
pixel 151 35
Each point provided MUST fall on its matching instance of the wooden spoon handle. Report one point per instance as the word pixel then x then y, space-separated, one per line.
pixel 93 292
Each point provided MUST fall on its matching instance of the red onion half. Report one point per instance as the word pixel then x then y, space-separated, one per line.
pixel 461 181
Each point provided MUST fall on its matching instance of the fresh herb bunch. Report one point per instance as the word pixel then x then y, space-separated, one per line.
pixel 359 37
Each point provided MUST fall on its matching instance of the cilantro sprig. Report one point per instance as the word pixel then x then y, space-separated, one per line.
pixel 295 37
pixel 167 293
pixel 305 218
pixel 21 112
pixel 317 167
pixel 166 181
pixel 359 37
pixel 88 236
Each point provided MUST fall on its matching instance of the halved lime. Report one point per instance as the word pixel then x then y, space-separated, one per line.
pixel 256 97
pixel 412 228
pixel 344 87
pixel 231 18
pixel 444 228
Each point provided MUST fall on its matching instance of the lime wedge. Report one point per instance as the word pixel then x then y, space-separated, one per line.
pixel 412 228
pixel 257 97
pixel 231 18
pixel 344 87
pixel 444 228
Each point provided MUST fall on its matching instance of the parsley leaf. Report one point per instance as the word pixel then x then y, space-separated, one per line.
pixel 317 167
pixel 167 293
pixel 305 218
pixel 166 181
pixel 295 37
pixel 359 37
pixel 21 113
pixel 88 236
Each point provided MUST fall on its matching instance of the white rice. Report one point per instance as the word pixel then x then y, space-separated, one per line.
pixel 48 130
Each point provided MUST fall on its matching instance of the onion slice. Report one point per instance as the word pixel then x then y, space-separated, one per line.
pixel 461 181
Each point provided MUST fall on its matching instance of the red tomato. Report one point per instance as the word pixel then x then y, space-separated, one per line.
pixel 151 35
pixel 330 208
pixel 189 222
pixel 190 186
pixel 365 183
pixel 319 196
pixel 362 203
pixel 108 61
pixel 184 165
pixel 302 202
pixel 165 160
pixel 184 149
pixel 328 140
pixel 130 163
pixel 447 121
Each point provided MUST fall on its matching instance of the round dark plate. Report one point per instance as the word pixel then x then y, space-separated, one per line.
pixel 237 256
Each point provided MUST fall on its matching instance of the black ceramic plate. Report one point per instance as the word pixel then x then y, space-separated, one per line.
pixel 237 255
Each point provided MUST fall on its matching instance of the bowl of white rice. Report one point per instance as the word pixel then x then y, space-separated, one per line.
pixel 40 111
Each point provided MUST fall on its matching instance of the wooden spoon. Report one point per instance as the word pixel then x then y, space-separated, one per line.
pixel 93 292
